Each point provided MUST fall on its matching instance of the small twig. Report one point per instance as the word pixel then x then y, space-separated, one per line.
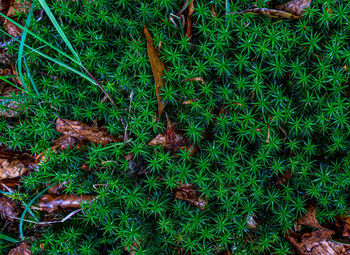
pixel 41 14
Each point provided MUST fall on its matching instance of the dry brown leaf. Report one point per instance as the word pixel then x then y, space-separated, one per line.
pixel 22 249
pixel 294 7
pixel 16 6
pixel 317 243
pixel 133 248
pixel 213 13
pixel 51 203
pixel 9 185
pixel 83 131
pixel 309 219
pixel 190 101
pixel 346 225
pixel 57 189
pixel 8 208
pixel 196 79
pixel 12 108
pixel 189 24
pixel 189 193
pixel 13 164
pixel 290 10
pixel 157 69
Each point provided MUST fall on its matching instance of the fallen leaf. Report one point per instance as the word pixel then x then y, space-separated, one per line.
pixel 294 7
pixel 22 249
pixel 13 164
pixel 58 188
pixel 9 185
pixel 190 101
pixel 157 69
pixel 51 203
pixel 251 221
pixel 316 243
pixel 172 140
pixel 309 219
pixel 8 208
pixel 213 13
pixel 196 79
pixel 11 108
pixel 16 6
pixel 346 222
pixel 189 21
pixel 290 10
pixel 83 131
pixel 188 193
pixel 4 4
pixel 133 247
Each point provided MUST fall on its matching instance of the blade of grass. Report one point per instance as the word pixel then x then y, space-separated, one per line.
pixel 37 37
pixel 30 76
pixel 28 207
pixel 8 238
pixel 59 29
pixel 21 46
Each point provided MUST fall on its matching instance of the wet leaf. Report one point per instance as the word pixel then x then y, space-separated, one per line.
pixel 8 208
pixel 316 243
pixel 22 249
pixel 309 219
pixel 51 203
pixel 13 165
pixel 83 131
pixel 189 193
pixel 157 69
pixel 294 7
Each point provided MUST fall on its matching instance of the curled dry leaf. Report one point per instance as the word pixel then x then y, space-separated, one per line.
pixel 51 203
pixel 83 131
pixel 189 193
pixel 290 10
pixel 22 249
pixel 157 69
pixel 8 208
pixel 13 165
pixel 316 243
pixel 200 79
pixel 309 219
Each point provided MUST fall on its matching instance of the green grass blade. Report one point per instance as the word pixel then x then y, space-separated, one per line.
pixel 37 37
pixel 8 238
pixel 21 46
pixel 59 29
pixel 30 76
pixel 28 207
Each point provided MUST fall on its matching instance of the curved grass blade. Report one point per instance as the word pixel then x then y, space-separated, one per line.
pixel 21 46
pixel 8 238
pixel 30 76
pixel 59 29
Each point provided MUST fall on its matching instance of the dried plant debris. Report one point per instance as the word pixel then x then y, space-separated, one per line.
pixel 290 10
pixel 22 249
pixel 132 249
pixel 200 79
pixel 10 107
pixel 317 243
pixel 16 6
pixel 8 208
pixel 51 203
pixel 58 188
pixel 172 140
pixel 9 185
pixel 83 131
pixel 189 193
pixel 157 69
pixel 189 24
pixel 13 165
pixel 309 219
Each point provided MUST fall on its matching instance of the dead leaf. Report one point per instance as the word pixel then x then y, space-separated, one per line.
pixel 133 248
pixel 189 21
pixel 294 7
pixel 309 219
pixel 284 178
pixel 346 68
pixel 51 203
pixel 190 101
pixel 9 185
pixel 213 13
pixel 317 243
pixel 157 69
pixel 58 188
pixel 290 10
pixel 196 79
pixel 16 6
pixel 251 221
pixel 8 208
pixel 13 164
pixel 4 4
pixel 189 193
pixel 83 131
pixel 346 224
pixel 22 249
pixel 12 108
